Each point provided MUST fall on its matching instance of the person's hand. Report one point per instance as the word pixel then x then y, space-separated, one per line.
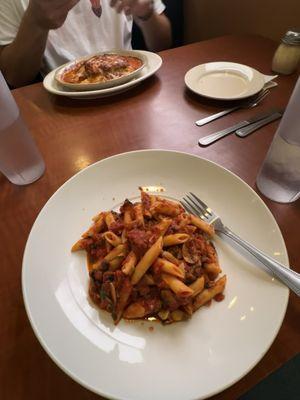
pixel 142 9
pixel 49 14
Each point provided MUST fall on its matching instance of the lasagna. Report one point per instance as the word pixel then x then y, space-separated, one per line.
pixel 101 68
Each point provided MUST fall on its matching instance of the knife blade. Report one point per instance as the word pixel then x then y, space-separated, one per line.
pixel 206 140
pixel 256 125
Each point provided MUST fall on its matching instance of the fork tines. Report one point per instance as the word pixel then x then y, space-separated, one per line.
pixel 194 205
pixel 260 96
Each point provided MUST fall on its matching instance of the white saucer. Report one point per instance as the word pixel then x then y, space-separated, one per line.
pixel 153 64
pixel 225 80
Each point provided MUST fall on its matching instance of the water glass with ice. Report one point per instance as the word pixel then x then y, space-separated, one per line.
pixel 279 177
pixel 20 160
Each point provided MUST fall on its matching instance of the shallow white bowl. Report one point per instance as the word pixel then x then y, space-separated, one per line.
pixel 183 361
pixel 153 64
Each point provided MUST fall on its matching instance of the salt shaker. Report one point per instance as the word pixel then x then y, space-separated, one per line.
pixel 279 177
pixel 287 56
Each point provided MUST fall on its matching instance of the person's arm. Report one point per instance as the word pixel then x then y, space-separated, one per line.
pixel 156 28
pixel 20 61
pixel 156 31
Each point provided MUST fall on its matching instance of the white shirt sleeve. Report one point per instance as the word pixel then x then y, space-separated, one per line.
pixel 159 6
pixel 11 14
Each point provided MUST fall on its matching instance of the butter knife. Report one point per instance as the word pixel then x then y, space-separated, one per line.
pixel 256 125
pixel 206 140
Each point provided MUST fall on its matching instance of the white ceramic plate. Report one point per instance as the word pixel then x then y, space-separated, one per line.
pixel 100 85
pixel 184 361
pixel 224 80
pixel 153 63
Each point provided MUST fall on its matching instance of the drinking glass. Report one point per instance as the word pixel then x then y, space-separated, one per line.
pixel 279 177
pixel 20 160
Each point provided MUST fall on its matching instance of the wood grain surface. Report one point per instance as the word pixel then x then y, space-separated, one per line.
pixel 71 134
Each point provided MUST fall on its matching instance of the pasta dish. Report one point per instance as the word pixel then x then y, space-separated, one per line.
pixel 101 68
pixel 151 259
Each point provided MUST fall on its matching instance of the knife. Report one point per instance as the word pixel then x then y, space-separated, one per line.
pixel 206 140
pixel 256 125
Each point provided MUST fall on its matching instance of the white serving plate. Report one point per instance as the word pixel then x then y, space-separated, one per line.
pixel 153 63
pixel 183 361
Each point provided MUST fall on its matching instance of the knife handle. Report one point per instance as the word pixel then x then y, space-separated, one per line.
pixel 242 132
pixel 213 117
pixel 206 140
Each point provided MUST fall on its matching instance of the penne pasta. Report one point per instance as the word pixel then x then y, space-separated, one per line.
pixel 181 266
pixel 108 247
pixel 151 260
pixel 169 268
pixel 169 203
pixel 208 294
pixel 169 256
pixel 147 279
pixel 178 315
pixel 152 199
pixel 113 293
pixel 100 216
pixel 147 201
pixel 109 220
pixel 128 211
pixel 204 226
pixel 146 261
pixel 177 286
pixel 95 265
pixel 112 238
pixel 164 208
pixel 212 270
pixel 176 238
pixel 163 314
pixel 188 308
pixel 135 310
pixel 163 226
pixel 79 245
pixel 129 264
pixel 127 218
pixel 116 263
pixel 115 252
pixel 139 217
pixel 184 220
pixel 197 286
pixel 211 253
pixel 98 226
pixel 90 264
pixel 124 236
pixel 125 293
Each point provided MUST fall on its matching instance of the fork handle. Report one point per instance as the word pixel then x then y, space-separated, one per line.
pixel 287 276
pixel 212 117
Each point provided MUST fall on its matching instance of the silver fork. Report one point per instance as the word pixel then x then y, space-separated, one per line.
pixel 194 205
pixel 248 104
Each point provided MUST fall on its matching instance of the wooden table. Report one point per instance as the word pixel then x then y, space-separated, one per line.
pixel 160 113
